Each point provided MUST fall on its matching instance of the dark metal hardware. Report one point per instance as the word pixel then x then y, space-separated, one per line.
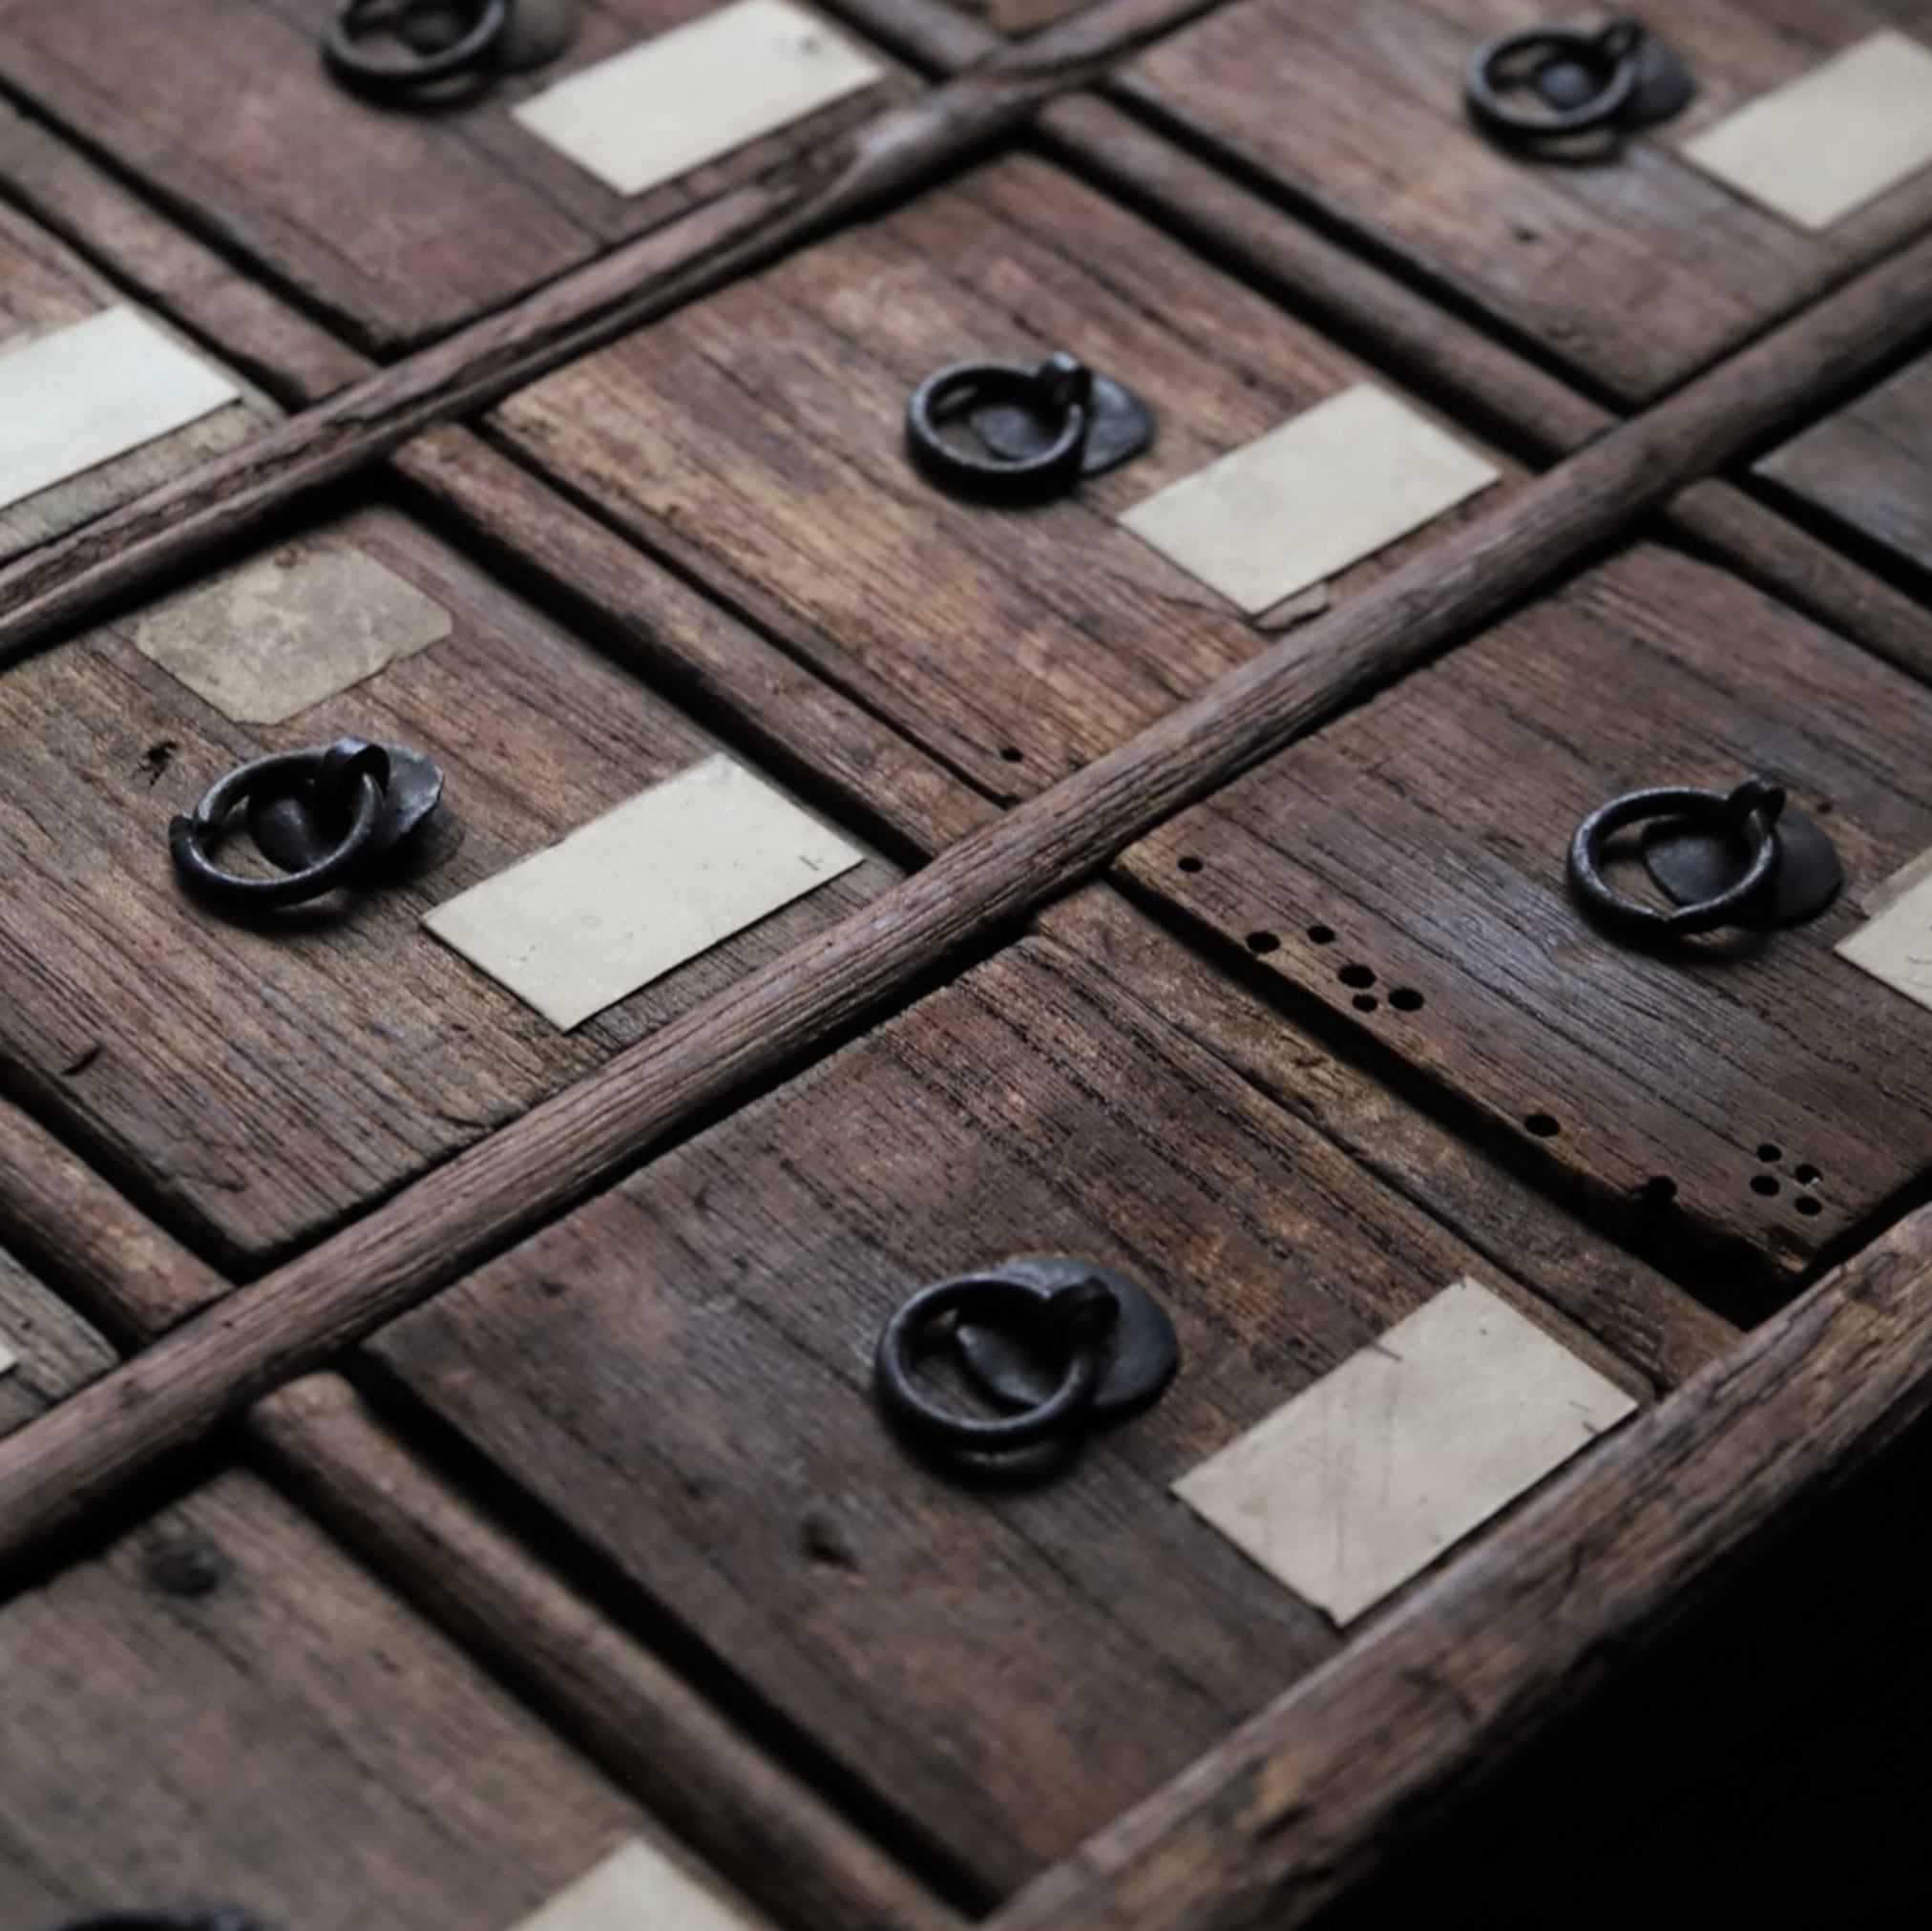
pixel 1737 858
pixel 174 1918
pixel 445 40
pixel 1065 1343
pixel 1616 76
pixel 1041 426
pixel 323 815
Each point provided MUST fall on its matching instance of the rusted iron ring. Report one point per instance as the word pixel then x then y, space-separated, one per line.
pixel 1061 387
pixel 470 52
pixel 1498 68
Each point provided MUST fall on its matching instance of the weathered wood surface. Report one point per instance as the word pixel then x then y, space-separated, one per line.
pixel 55 1350
pixel 757 439
pixel 222 1704
pixel 395 226
pixel 1631 267
pixel 294 1319
pixel 680 1372
pixel 1281 1817
pixel 257 1083
pixel 1869 466
pixel 45 286
pixel 1405 868
pixel 642 1724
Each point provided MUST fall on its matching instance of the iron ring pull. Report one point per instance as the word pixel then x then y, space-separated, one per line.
pixel 1751 811
pixel 1078 1317
pixel 175 1917
pixel 347 769
pixel 1615 50
pixel 343 53
pixel 1060 385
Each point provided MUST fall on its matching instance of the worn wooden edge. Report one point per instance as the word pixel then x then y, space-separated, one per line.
pixel 651 1733
pixel 294 1319
pixel 1301 1801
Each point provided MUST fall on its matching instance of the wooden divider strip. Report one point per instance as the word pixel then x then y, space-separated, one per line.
pixel 295 1319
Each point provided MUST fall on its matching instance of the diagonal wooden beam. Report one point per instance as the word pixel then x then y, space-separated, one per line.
pixel 296 1319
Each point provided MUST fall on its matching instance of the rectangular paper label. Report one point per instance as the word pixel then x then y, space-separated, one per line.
pixel 1895 943
pixel 1361 1480
pixel 659 110
pixel 91 392
pixel 268 640
pixel 636 1888
pixel 1300 504
pixel 1831 140
pixel 629 897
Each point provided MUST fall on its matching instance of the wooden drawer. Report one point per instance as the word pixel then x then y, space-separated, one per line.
pixel 1868 469
pixel 1633 269
pixel 221 1706
pixel 45 286
pixel 680 1372
pixel 1406 868
pixel 396 224
pixel 758 439
pixel 257 1082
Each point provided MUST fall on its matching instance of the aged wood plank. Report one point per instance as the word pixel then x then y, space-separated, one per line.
pixel 1290 1810
pixel 640 1723
pixel 1641 1316
pixel 1869 466
pixel 52 1350
pixel 680 1372
pixel 295 1319
pixel 894 152
pixel 1419 846
pixel 757 439
pixel 394 225
pixel 1633 268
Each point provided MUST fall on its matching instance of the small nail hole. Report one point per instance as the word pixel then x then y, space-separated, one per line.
pixel 1807 1175
pixel 1320 935
pixel 1660 1189
pixel 1365 1002
pixel 1764 1184
pixel 1809 1203
pixel 1263 941
pixel 1542 1125
pixel 1406 999
pixel 1014 755
pixel 1188 864
pixel 1768 1152
pixel 1355 976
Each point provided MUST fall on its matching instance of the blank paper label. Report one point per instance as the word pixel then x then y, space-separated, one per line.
pixel 636 1888
pixel 1300 504
pixel 634 893
pixel 1364 1479
pixel 7 1357
pixel 1895 943
pixel 90 392
pixel 285 632
pixel 1841 136
pixel 657 110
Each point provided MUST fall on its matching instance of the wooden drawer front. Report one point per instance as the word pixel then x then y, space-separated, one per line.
pixel 1634 269
pixel 758 438
pixel 680 1371
pixel 260 1082
pixel 398 224
pixel 223 1707
pixel 1427 835
pixel 45 286
pixel 1869 466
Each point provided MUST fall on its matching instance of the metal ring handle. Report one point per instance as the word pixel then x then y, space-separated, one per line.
pixel 175 1918
pixel 1751 810
pixel 343 54
pixel 1085 1313
pixel 1620 44
pixel 1060 383
pixel 349 763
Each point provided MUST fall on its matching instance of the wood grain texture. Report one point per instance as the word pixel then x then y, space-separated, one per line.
pixel 222 1704
pixel 1869 466
pixel 640 1723
pixel 394 225
pixel 55 1350
pixel 1418 847
pixel 1630 267
pixel 45 286
pixel 1285 1813
pixel 255 1084
pixel 680 1372
pixel 757 439
pixel 294 1319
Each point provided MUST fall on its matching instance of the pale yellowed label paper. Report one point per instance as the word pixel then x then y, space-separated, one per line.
pixel 702 91
pixel 1302 503
pixel 269 640
pixel 635 894
pixel 1828 142
pixel 80 397
pixel 1360 1481
pixel 9 1359
pixel 1895 943
pixel 638 1888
